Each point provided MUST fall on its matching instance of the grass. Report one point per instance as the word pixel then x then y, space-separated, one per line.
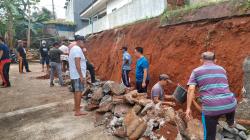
pixel 177 14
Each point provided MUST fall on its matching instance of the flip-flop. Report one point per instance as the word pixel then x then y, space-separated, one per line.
pixel 81 114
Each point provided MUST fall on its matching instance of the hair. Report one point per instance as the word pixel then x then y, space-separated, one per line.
pixel 125 48
pixel 210 56
pixel 139 49
pixel 163 77
pixel 1 38
pixel 56 44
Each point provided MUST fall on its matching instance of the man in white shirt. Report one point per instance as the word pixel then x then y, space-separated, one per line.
pixel 64 57
pixel 77 69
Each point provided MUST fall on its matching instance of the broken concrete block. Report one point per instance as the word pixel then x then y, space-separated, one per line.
pixel 240 127
pixel 227 134
pixel 130 116
pixel 106 99
pixel 117 89
pixel 144 101
pixel 140 129
pixel 130 97
pixel 133 125
pixel 118 99
pixel 120 132
pixel 147 107
pixel 121 109
pixel 91 107
pixel 169 113
pixel 105 107
pixel 232 130
pixel 180 123
pixel 102 119
pixel 97 95
pixel 136 109
pixel 106 86
pixel 243 135
pixel 194 130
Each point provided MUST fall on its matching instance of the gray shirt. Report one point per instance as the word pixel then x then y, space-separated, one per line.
pixel 55 55
pixel 157 91
pixel 127 61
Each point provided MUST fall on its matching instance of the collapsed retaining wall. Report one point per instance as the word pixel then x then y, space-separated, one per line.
pixel 174 50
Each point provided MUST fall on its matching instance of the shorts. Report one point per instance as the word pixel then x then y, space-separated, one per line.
pixel 77 85
pixel 45 60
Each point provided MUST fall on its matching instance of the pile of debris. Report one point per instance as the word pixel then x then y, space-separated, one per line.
pixel 126 113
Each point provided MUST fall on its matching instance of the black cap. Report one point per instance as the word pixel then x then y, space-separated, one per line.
pixel 79 38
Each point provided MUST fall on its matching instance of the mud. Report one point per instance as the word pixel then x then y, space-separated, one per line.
pixel 174 50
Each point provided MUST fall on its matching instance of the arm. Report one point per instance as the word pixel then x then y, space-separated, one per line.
pixel 78 68
pixel 145 74
pixel 190 97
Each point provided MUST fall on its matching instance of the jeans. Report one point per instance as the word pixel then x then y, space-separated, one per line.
pixel 56 67
pixel 139 87
pixel 23 63
pixel 125 78
pixel 91 70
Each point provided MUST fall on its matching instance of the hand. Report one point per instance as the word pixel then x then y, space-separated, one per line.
pixel 83 80
pixel 188 114
pixel 143 84
pixel 20 58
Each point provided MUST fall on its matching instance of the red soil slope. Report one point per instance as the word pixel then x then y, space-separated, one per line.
pixel 174 50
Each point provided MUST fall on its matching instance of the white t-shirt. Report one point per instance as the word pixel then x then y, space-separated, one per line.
pixel 64 49
pixel 75 52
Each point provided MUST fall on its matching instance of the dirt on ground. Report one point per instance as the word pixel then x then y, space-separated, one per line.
pixel 174 50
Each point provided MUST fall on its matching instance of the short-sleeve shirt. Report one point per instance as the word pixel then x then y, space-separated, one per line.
pixel 141 64
pixel 213 86
pixel 22 52
pixel 65 50
pixel 126 58
pixel 6 52
pixel 76 52
pixel 157 91
pixel 55 55
pixel 44 51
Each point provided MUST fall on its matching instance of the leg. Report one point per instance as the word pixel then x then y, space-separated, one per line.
pixel 230 118
pixel 91 71
pixel 52 71
pixel 63 66
pixel 26 64
pixel 42 62
pixel 1 74
pixel 6 69
pixel 21 65
pixel 67 65
pixel 77 96
pixel 210 125
pixel 59 71
pixel 139 87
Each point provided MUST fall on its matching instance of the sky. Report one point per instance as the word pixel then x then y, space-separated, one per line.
pixel 59 4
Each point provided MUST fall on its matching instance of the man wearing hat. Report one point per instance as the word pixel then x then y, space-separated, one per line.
pixel 126 66
pixel 77 69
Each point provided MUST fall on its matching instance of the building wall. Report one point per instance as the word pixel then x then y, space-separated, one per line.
pixel 116 4
pixel 69 14
pixel 134 11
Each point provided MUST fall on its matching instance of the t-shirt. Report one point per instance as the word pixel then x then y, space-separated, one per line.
pixel 157 91
pixel 141 64
pixel 213 86
pixel 65 50
pixel 126 57
pixel 55 55
pixel 76 52
pixel 6 52
pixel 44 51
pixel 22 52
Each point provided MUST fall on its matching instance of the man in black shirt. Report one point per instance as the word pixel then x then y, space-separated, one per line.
pixel 55 63
pixel 22 57
pixel 44 52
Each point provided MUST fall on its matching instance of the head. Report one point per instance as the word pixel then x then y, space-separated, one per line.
pixel 43 42
pixel 20 43
pixel 1 40
pixel 164 79
pixel 124 49
pixel 138 51
pixel 56 45
pixel 84 50
pixel 208 57
pixel 80 40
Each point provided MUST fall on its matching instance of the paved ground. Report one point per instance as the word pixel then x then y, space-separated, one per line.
pixel 31 110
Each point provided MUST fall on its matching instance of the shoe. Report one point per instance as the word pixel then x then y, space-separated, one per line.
pixel 28 71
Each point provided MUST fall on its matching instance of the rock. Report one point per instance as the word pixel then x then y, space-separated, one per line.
pixel 130 116
pixel 118 99
pixel 121 109
pixel 106 87
pixel 194 130
pixel 243 109
pixel 243 135
pixel 135 122
pixel 227 139
pixel 180 123
pixel 169 113
pixel 232 130
pixel 144 102
pixel 150 126
pixel 240 127
pixel 237 138
pixel 105 100
pixel 120 132
pixel 219 129
pixel 91 107
pixel 117 89
pixel 105 107
pixel 218 136
pixel 227 134
pixel 147 107
pixel 97 95
pixel 102 119
pixel 130 97
pixel 136 108
pixel 140 129
pixel 116 122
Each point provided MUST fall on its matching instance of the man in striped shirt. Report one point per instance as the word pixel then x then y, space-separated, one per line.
pixel 217 99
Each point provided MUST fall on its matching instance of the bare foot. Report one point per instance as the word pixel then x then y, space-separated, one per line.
pixel 81 113
pixel 75 109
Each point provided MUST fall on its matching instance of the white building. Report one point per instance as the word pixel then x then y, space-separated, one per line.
pixel 108 14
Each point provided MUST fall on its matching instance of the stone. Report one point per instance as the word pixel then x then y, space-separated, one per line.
pixel 105 100
pixel 136 109
pixel 243 109
pixel 120 132
pixel 227 134
pixel 180 123
pixel 121 109
pixel 243 135
pixel 240 127
pixel 194 130
pixel 232 130
pixel 117 89
pixel 91 107
pixel 130 97
pixel 140 129
pixel 144 101
pixel 169 113
pixel 102 119
pixel 105 107
pixel 129 117
pixel 248 137
pixel 118 99
pixel 150 127
pixel 97 95
pixel 133 125
pixel 106 87
pixel 147 107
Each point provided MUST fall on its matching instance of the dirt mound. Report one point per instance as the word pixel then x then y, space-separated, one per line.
pixel 174 50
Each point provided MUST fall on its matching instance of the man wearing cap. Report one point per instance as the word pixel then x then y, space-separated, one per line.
pixel 77 69
pixel 22 57
pixel 4 63
pixel 126 66
pixel 44 52
pixel 157 92
pixel 217 99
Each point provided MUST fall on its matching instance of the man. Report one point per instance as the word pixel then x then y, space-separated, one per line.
pixel 55 64
pixel 64 57
pixel 77 69
pixel 126 66
pixel 4 63
pixel 44 52
pixel 217 99
pixel 142 71
pixel 90 67
pixel 157 92
pixel 22 57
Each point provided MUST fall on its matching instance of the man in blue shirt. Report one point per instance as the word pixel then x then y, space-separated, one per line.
pixel 142 71
pixel 4 63
pixel 126 66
